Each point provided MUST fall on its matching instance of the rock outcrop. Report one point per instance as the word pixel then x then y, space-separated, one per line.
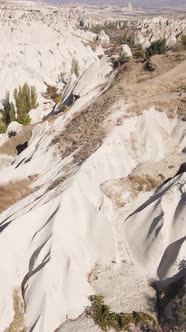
pixel 152 29
pixel 125 50
pixel 27 56
pixel 103 37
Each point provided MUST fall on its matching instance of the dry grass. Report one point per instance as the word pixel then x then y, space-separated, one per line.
pixel 9 147
pixel 172 107
pixel 17 324
pixel 85 133
pixel 134 184
pixel 159 89
pixel 138 84
pixel 13 192
pixel 142 182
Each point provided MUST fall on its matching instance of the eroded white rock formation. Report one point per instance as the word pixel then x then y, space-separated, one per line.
pixel 152 29
pixel 63 227
pixel 85 228
pixel 125 50
pixel 37 46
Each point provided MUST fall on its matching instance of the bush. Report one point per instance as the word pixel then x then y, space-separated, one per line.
pixel 117 62
pixel 139 52
pixel 8 111
pixel 123 58
pixel 57 99
pixel 25 99
pixel 183 40
pixel 172 305
pixel 2 128
pixel 52 93
pixel 51 90
pixel 157 47
pixel 106 319
pixel 127 37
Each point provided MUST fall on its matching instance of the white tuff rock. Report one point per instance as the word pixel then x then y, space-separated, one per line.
pixel 103 37
pixel 126 51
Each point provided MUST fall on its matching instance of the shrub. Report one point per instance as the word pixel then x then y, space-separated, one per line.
pixel 12 133
pixel 106 319
pixel 51 90
pixel 123 58
pixel 75 67
pixel 157 47
pixel 52 93
pixel 127 37
pixel 183 40
pixel 8 111
pixel 25 99
pixel 2 128
pixel 57 99
pixel 173 298
pixel 139 52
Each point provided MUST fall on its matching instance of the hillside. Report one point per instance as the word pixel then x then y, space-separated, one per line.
pixel 92 208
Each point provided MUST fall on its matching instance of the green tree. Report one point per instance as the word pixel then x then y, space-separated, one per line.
pixel 8 111
pixel 25 99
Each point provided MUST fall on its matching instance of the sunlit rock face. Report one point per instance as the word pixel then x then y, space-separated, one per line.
pixel 38 45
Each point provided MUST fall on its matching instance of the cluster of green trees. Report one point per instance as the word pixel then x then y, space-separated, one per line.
pixel 25 100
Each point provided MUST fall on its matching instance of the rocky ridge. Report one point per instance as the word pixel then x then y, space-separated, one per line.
pixel 103 207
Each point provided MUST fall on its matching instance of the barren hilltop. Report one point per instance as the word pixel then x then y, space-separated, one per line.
pixel 92 168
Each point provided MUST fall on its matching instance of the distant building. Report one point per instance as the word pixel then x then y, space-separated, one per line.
pixel 130 8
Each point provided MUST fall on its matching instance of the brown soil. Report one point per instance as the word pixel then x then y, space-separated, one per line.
pixel 9 147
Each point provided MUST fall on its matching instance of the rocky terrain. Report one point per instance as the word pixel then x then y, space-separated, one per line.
pixel 92 191
pixel 159 27
pixel 42 46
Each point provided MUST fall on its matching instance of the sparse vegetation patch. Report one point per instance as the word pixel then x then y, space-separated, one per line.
pixel 143 182
pixel 15 191
pixel 17 323
pixel 106 319
pixel 172 306
pixel 52 93
pixel 183 40
pixel 157 47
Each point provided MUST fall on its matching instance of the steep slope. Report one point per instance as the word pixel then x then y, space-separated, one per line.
pixel 59 231
pixel 93 223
